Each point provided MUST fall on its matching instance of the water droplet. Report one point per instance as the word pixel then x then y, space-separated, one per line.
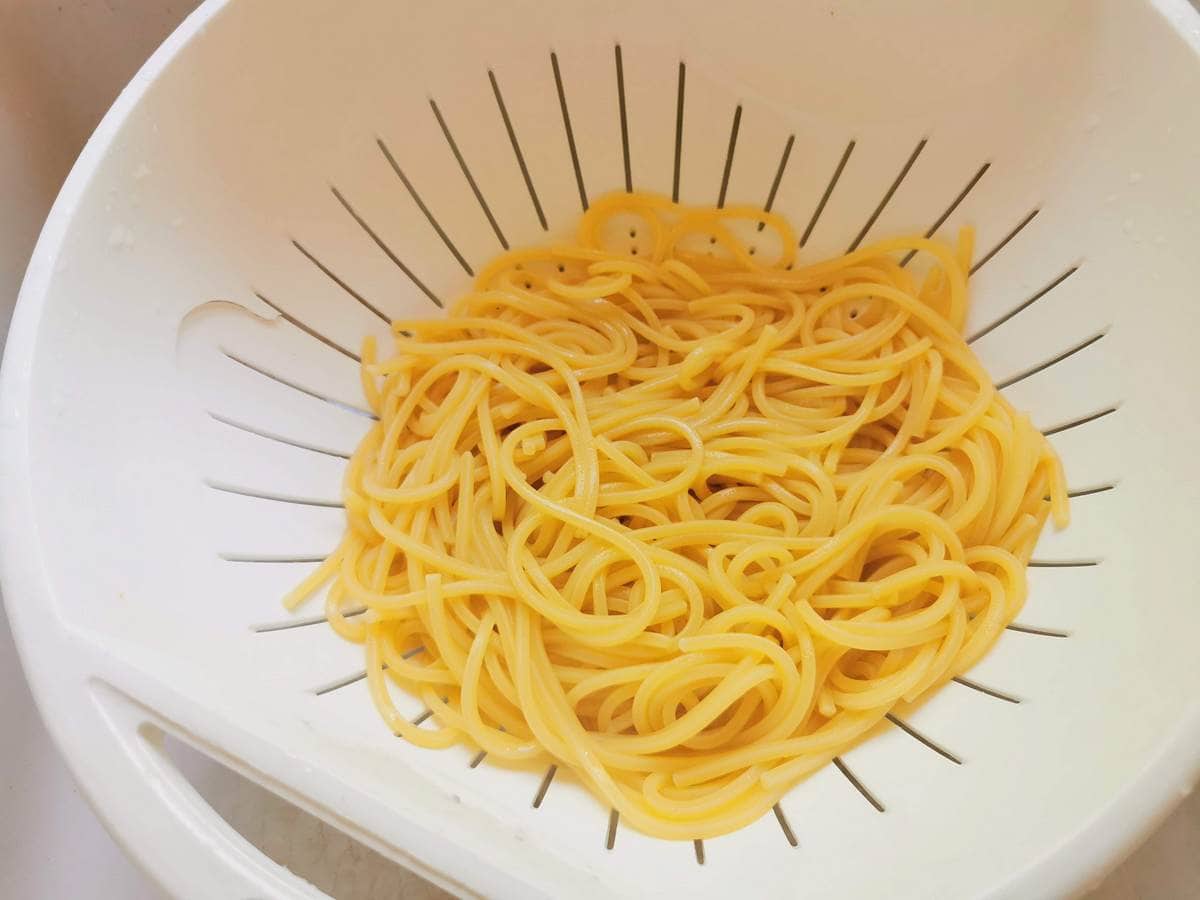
pixel 141 172
pixel 1092 123
pixel 1135 177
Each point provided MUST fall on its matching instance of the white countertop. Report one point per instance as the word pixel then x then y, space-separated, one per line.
pixel 61 64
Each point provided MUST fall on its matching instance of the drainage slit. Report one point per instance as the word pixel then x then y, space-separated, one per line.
pixel 733 136
pixel 920 738
pixel 887 197
pixel 624 121
pixel 279 439
pixel 858 785
pixel 289 624
pixel 1003 242
pixel 1082 420
pixel 412 192
pixel 341 683
pixel 379 242
pixel 309 330
pixel 348 407
pixel 332 276
pixel 359 676
pixel 1040 632
pixel 783 161
pixel 275 498
pixel 1055 360
pixel 544 786
pixel 949 209
pixel 566 117
pixel 1088 492
pixel 462 164
pixel 785 826
pixel 269 558
pixel 837 174
pixel 678 131
pixel 1023 306
pixel 983 689
pixel 512 137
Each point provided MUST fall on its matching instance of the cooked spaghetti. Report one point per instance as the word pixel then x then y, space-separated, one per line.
pixel 666 508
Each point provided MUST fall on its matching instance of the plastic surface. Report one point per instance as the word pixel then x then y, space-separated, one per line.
pixel 170 439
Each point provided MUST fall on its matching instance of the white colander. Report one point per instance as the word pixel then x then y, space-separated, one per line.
pixel 282 177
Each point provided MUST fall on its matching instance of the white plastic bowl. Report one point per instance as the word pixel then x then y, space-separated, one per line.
pixel 162 453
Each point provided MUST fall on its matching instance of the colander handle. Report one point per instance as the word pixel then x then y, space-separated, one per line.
pixel 161 820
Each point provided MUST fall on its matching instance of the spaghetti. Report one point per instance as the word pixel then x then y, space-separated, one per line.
pixel 663 507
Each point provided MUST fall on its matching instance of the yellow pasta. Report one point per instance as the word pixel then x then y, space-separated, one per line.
pixel 670 509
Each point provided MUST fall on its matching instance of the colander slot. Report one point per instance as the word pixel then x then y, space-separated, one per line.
pixel 272 497
pixel 678 130
pixel 624 119
pixel 1052 361
pixel 784 825
pixel 544 787
pixel 566 117
pixel 730 150
pixel 610 839
pixel 424 715
pixel 1040 632
pixel 833 180
pixel 379 242
pixel 278 438
pixel 308 329
pixel 1004 241
pixel 477 759
pixel 316 395
pixel 887 197
pixel 1063 563
pixel 924 739
pixel 858 785
pixel 1087 492
pixel 983 689
pixel 466 170
pixel 1082 420
pixel 783 161
pixel 338 684
pixel 698 847
pixel 988 329
pixel 516 145
pixel 289 624
pixel 412 192
pixel 259 558
pixel 941 220
pixel 332 276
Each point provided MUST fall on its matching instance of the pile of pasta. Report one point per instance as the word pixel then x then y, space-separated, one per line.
pixel 667 508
